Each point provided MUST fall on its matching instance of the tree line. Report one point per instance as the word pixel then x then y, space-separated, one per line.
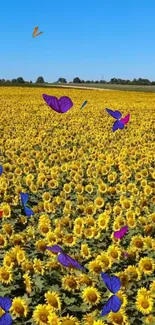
pixel 117 81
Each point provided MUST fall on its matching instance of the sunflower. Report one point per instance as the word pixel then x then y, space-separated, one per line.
pixel 88 319
pixel 7 261
pixel 19 307
pixel 133 272
pixel 40 245
pixel 91 296
pixel 85 251
pixel 114 252
pixel 150 319
pixel 95 267
pixel 78 231
pixel 7 229
pixel 137 242
pixel 99 203
pixel 103 220
pixel 147 265
pixel 3 241
pixel 90 209
pixel 102 188
pixel 46 197
pixel 89 188
pixel 28 283
pixel 54 319
pixel 41 315
pixel 98 322
pixel 69 320
pixel 70 283
pixel 53 300
pixel 122 296
pixel 6 275
pixel 104 260
pixel 118 318
pixel 69 240
pixel 6 210
pixel 38 266
pixel 144 304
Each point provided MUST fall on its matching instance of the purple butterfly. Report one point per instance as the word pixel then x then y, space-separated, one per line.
pixel 61 105
pixel 63 258
pixel 5 304
pixel 24 199
pixel 121 233
pixel 1 170
pixel 119 124
pixel 114 303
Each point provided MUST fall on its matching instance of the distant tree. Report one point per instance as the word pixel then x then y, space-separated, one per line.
pixel 82 81
pixel 96 82
pixel 7 81
pixel 31 82
pixel 40 80
pixel 76 80
pixel 62 80
pixel 14 81
pixel 88 81
pixel 20 80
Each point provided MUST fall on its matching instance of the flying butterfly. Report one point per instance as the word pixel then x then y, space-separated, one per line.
pixel 35 32
pixel 1 170
pixel 114 303
pixel 61 105
pixel 84 104
pixel 119 123
pixel 5 304
pixel 64 259
pixel 121 233
pixel 24 199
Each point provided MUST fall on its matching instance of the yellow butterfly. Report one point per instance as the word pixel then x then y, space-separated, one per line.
pixel 35 32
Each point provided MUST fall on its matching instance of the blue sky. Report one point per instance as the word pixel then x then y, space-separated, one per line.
pixel 84 38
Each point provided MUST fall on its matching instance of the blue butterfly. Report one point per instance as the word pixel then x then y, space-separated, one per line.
pixel 24 199
pixel 1 170
pixel 5 304
pixel 117 115
pixel 86 101
pixel 114 303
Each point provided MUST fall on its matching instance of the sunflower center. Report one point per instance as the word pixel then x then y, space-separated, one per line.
pixel 92 296
pixel 139 243
pixel 97 268
pixel 118 319
pixel 72 283
pixel 44 318
pixel 19 309
pixel 145 304
pixel 5 275
pixel 53 301
pixel 70 239
pixel 148 267
pixel 1 241
pixel 114 254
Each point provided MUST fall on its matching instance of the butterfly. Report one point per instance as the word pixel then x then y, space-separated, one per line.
pixel 35 32
pixel 119 124
pixel 1 213
pixel 61 105
pixel 24 199
pixel 1 170
pixel 63 258
pixel 86 101
pixel 121 233
pixel 114 303
pixel 5 304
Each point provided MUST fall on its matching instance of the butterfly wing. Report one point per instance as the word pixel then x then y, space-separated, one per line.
pixel 5 303
pixel 52 102
pixel 86 101
pixel 65 104
pixel 38 34
pixel 28 211
pixel 35 31
pixel 115 304
pixel 1 170
pixel 113 283
pixel 114 114
pixel 54 249
pixel 24 197
pixel 1 214
pixel 117 125
pixel 125 119
pixel 120 233
pixel 6 319
pixel 68 261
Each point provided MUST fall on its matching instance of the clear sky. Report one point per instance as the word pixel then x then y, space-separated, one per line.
pixel 84 38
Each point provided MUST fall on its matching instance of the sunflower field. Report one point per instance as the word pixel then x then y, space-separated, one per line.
pixel 84 183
